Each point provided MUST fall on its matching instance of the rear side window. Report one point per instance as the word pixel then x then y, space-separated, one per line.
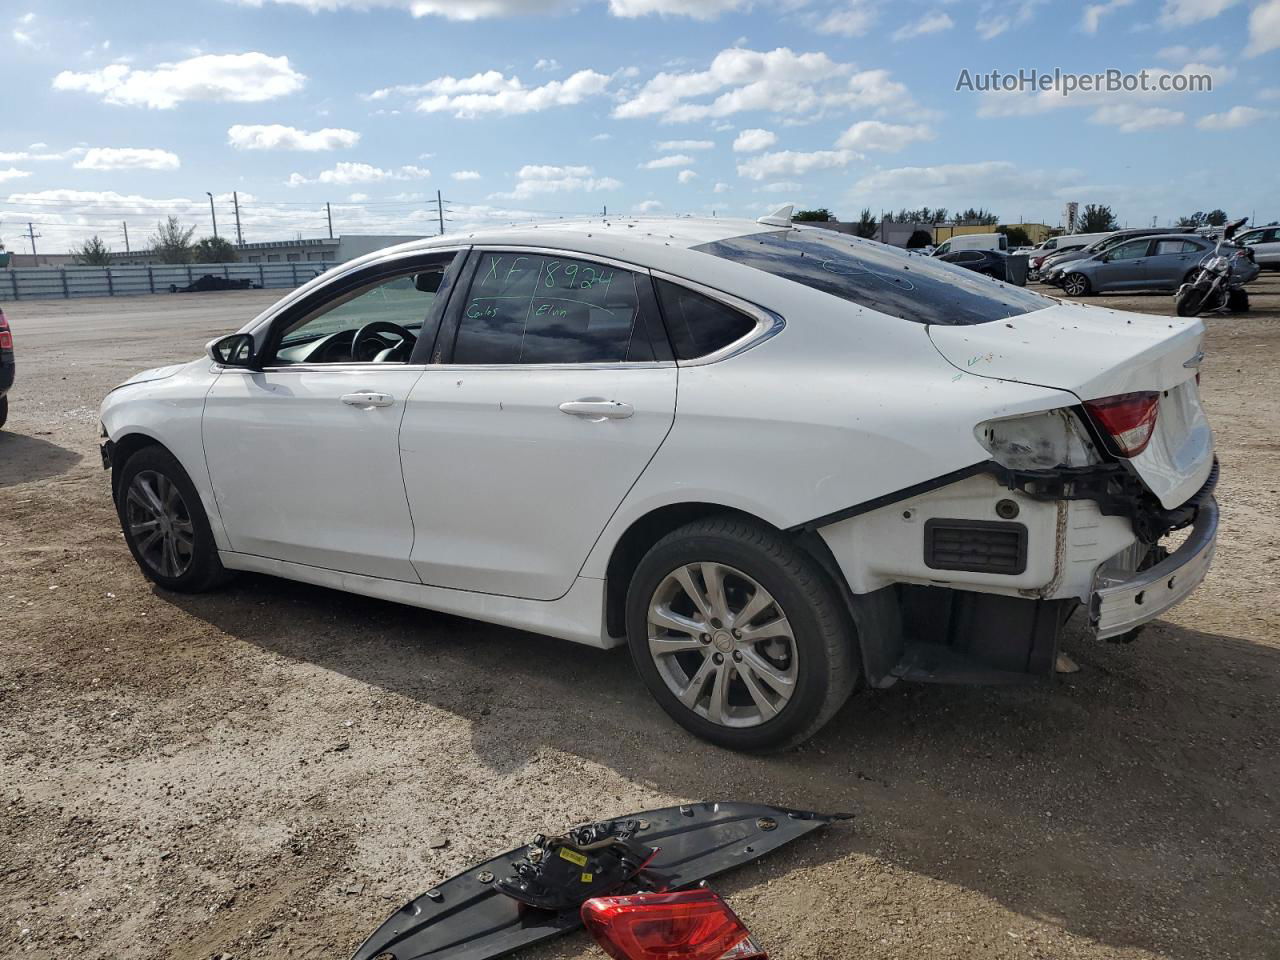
pixel 532 308
pixel 698 325
pixel 880 277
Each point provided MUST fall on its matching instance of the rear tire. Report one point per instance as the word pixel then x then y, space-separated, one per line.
pixel 165 525
pixel 1076 285
pixel 759 663
pixel 1237 302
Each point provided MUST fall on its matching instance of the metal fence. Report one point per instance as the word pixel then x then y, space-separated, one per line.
pixel 31 283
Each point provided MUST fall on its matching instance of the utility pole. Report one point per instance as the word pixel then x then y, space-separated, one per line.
pixel 125 225
pixel 213 216
pixel 328 212
pixel 440 211
pixel 31 230
pixel 604 211
pixel 235 199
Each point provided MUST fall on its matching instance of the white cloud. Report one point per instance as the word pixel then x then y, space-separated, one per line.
pixel 754 140
pixel 37 152
pixel 13 173
pixel 778 81
pixel 535 179
pixel 686 176
pixel 889 137
pixel 853 19
pixel 358 197
pixel 1266 93
pixel 1240 116
pixel 1183 13
pixel 667 145
pixel 935 22
pixel 993 182
pixel 1005 15
pixel 128 158
pixel 231 77
pixel 1185 54
pixel 1094 12
pixel 547 63
pixel 276 136
pixel 1264 28
pixel 720 188
pixel 343 173
pixel 461 175
pixel 792 163
pixel 661 163
pixel 647 206
pixel 698 9
pixel 1131 118
pixel 601 137
pixel 494 92
pixel 485 9
pixel 782 186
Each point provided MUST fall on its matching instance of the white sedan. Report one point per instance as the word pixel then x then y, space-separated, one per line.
pixel 776 462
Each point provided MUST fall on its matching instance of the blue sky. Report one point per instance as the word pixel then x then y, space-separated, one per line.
pixel 520 109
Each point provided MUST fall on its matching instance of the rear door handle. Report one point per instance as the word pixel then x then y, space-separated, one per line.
pixel 595 409
pixel 368 399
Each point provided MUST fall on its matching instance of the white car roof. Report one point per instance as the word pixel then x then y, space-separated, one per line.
pixel 602 235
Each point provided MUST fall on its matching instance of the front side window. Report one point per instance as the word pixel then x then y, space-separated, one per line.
pixel 916 288
pixel 379 322
pixel 537 309
pixel 1130 251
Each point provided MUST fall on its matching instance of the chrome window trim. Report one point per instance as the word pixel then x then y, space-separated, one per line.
pixel 768 323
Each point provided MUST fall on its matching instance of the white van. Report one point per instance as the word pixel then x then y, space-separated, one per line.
pixel 973 241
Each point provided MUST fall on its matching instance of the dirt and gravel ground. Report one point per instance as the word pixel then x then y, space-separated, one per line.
pixel 268 771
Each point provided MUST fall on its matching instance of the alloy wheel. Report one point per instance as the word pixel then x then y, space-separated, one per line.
pixel 159 523
pixel 1075 285
pixel 722 644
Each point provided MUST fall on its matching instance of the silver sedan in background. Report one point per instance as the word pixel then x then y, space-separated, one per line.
pixel 1146 263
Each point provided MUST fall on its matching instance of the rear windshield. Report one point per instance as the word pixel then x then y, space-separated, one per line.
pixel 883 278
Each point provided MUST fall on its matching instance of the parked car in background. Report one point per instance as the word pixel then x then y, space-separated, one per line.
pixel 489 425
pixel 1147 263
pixel 971 241
pixel 991 263
pixel 1057 263
pixel 1265 244
pixel 7 367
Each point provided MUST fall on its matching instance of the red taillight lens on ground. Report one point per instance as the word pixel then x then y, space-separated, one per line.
pixel 1128 418
pixel 690 925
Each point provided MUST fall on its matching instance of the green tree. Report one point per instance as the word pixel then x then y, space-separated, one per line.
pixel 866 226
pixel 820 215
pixel 93 253
pixel 171 242
pixel 1216 218
pixel 1196 219
pixel 981 215
pixel 918 239
pixel 1018 237
pixel 1097 218
pixel 215 250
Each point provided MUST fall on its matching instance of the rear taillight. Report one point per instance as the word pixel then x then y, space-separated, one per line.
pixel 1129 419
pixel 6 336
pixel 691 925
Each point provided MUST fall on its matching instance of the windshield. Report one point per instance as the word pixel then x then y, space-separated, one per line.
pixel 883 278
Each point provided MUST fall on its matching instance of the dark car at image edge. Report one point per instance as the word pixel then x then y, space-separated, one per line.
pixel 6 367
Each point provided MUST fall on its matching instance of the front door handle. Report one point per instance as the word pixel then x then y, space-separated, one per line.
pixel 595 409
pixel 368 399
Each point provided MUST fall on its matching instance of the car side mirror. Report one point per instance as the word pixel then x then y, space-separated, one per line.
pixel 428 282
pixel 235 350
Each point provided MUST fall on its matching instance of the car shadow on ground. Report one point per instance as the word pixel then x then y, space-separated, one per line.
pixel 1132 803
pixel 25 459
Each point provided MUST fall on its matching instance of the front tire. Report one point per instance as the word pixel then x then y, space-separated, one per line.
pixel 1189 302
pixel 739 635
pixel 1076 285
pixel 1237 302
pixel 165 525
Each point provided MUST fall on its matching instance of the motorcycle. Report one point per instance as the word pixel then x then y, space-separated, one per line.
pixel 1215 285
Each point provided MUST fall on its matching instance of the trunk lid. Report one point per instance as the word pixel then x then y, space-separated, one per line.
pixel 1093 353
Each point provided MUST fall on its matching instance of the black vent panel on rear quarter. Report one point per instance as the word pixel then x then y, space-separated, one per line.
pixel 975 546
